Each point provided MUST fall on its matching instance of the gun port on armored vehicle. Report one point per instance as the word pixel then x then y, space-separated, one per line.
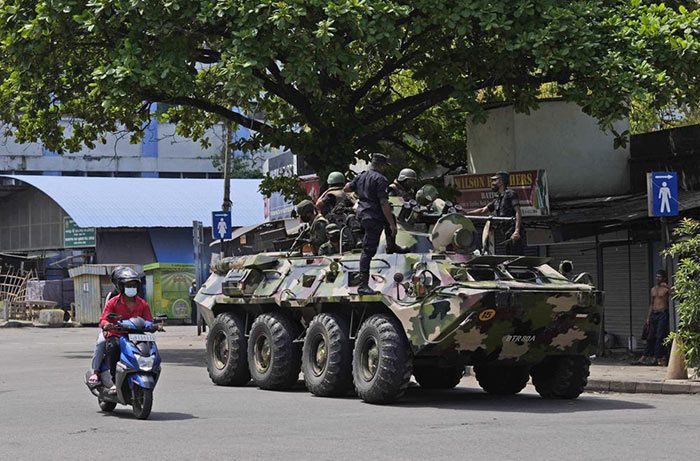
pixel 441 307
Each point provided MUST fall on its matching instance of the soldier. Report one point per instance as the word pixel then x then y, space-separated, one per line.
pixel 505 204
pixel 374 212
pixel 317 233
pixel 404 186
pixel 332 246
pixel 334 202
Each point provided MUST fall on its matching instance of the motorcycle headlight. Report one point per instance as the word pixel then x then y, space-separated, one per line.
pixel 145 363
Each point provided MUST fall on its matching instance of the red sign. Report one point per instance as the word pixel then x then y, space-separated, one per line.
pixel 531 187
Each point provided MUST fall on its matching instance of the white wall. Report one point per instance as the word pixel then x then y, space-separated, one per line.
pixel 558 137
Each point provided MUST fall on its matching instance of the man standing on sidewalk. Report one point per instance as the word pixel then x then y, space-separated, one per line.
pixel 655 350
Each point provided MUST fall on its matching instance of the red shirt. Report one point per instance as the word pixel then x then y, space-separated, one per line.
pixel 117 305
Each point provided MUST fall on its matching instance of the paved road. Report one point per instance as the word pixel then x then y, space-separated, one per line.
pixel 47 412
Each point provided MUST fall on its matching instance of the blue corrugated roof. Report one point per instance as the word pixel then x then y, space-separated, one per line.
pixel 148 202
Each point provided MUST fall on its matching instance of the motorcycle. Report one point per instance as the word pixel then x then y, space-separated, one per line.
pixel 137 371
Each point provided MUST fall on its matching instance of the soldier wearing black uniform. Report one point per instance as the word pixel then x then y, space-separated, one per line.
pixel 505 205
pixel 374 212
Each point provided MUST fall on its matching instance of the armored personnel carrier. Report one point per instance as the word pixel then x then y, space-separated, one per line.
pixel 440 308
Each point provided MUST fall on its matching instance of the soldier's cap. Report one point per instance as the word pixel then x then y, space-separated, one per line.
pixel 380 159
pixel 332 229
pixel 502 175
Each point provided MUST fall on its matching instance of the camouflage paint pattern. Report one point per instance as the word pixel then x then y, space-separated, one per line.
pixel 442 300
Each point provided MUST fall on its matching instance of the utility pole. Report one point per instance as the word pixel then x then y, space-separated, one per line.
pixel 226 205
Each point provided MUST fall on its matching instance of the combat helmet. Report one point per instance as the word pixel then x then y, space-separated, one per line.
pixel 335 178
pixel 426 194
pixel 304 207
pixel 407 173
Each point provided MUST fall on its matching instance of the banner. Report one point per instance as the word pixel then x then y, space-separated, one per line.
pixel 531 187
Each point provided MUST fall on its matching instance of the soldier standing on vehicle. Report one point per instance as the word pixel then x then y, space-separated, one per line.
pixel 374 212
pixel 505 205
pixel 332 246
pixel 404 186
pixel 317 233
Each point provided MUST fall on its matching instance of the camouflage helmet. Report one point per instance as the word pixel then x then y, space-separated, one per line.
pixel 304 207
pixel 407 173
pixel 335 178
pixel 426 194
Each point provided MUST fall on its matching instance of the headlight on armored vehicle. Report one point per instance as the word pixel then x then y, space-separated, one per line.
pixel 145 363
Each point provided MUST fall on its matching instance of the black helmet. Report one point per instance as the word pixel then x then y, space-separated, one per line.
pixel 123 275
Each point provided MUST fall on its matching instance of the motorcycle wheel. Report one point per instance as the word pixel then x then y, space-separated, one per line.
pixel 107 406
pixel 143 401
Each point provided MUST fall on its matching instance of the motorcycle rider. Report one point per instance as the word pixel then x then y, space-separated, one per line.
pixel 127 304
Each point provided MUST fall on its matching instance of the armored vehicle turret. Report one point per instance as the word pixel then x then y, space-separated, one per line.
pixel 441 307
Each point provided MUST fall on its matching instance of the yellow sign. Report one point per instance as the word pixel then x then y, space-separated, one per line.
pixel 487 314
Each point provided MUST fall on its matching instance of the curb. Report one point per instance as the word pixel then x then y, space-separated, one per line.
pixel 678 386
pixel 24 323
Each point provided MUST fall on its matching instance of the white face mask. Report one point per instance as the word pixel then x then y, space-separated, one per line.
pixel 130 291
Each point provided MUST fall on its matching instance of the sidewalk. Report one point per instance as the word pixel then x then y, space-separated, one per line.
pixel 614 375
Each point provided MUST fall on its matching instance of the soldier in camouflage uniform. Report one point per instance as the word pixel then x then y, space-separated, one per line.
pixel 332 246
pixel 317 232
pixel 404 186
pixel 334 196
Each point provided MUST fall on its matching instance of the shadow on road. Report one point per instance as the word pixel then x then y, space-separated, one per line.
pixel 124 412
pixel 473 399
pixel 187 357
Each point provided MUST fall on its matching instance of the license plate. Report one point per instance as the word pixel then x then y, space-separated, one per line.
pixel 142 337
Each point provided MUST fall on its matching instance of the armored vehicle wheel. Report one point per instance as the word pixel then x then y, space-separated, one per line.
pixel 227 362
pixel 500 380
pixel 382 363
pixel 327 356
pixel 274 359
pixel 433 377
pixel 562 377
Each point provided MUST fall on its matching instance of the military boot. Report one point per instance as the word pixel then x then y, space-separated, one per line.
pixel 363 288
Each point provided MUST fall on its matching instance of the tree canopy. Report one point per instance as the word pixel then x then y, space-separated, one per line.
pixel 329 78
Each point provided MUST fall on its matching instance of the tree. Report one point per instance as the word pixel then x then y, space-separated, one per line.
pixel 329 78
pixel 686 285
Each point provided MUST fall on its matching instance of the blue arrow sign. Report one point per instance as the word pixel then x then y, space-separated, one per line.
pixel 662 190
pixel 221 224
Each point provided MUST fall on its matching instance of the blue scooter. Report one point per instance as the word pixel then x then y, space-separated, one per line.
pixel 137 371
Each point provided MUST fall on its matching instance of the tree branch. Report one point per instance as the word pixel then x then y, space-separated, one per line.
pixel 430 97
pixel 425 157
pixel 213 108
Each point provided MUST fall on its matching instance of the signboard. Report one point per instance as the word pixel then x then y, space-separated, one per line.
pixel 221 225
pixel 77 237
pixel 662 193
pixel 531 187
pixel 288 164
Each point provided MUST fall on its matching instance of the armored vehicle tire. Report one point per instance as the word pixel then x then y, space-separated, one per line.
pixel 274 359
pixel 500 380
pixel 562 377
pixel 107 406
pixel 433 377
pixel 382 361
pixel 327 356
pixel 227 362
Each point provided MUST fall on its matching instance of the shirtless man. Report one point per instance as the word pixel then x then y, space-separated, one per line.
pixel 655 351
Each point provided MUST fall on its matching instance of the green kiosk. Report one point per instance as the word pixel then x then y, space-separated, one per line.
pixel 166 289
